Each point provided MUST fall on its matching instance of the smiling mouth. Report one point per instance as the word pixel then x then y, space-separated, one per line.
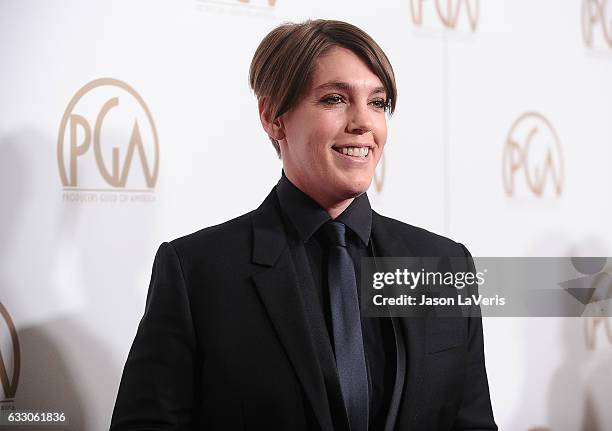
pixel 359 152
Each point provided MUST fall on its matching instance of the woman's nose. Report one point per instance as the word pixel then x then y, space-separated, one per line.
pixel 360 120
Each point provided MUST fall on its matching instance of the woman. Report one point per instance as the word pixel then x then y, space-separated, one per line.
pixel 255 323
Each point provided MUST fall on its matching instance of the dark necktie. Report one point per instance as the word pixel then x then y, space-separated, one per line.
pixel 346 322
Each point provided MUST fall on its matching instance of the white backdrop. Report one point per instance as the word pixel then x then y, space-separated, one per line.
pixel 504 107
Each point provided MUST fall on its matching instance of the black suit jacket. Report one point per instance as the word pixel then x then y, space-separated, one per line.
pixel 225 344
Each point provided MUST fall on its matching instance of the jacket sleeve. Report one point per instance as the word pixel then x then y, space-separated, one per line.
pixel 157 386
pixel 475 412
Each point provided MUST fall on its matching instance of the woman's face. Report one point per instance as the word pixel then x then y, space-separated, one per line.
pixel 342 111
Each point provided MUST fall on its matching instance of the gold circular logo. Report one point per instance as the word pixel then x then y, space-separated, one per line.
pixel 532 148
pixel 10 385
pixel 379 175
pixel 596 13
pixel 141 140
pixel 448 12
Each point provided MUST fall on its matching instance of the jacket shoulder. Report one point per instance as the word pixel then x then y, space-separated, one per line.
pixel 422 241
pixel 229 236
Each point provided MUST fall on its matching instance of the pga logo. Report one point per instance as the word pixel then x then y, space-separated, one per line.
pixel 449 13
pixel 532 161
pixel 597 23
pixel 107 139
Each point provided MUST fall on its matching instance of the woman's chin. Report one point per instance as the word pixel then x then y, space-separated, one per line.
pixel 355 186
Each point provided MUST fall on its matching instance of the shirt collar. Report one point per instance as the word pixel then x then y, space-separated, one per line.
pixel 307 215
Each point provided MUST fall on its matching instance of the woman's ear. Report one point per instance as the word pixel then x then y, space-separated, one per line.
pixel 274 128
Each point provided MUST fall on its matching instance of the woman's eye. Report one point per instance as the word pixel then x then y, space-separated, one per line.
pixel 333 100
pixel 336 99
pixel 382 104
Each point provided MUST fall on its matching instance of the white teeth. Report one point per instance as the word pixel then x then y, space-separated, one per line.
pixel 355 151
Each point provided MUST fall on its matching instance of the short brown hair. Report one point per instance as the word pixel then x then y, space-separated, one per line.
pixel 285 59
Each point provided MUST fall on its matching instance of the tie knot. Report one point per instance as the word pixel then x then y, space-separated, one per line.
pixel 336 233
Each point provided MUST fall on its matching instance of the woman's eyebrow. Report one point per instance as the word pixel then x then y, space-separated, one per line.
pixel 339 85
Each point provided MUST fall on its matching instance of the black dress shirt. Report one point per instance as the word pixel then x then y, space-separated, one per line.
pixel 303 218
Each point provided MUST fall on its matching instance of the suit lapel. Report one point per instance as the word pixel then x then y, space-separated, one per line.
pixel 409 332
pixel 278 288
